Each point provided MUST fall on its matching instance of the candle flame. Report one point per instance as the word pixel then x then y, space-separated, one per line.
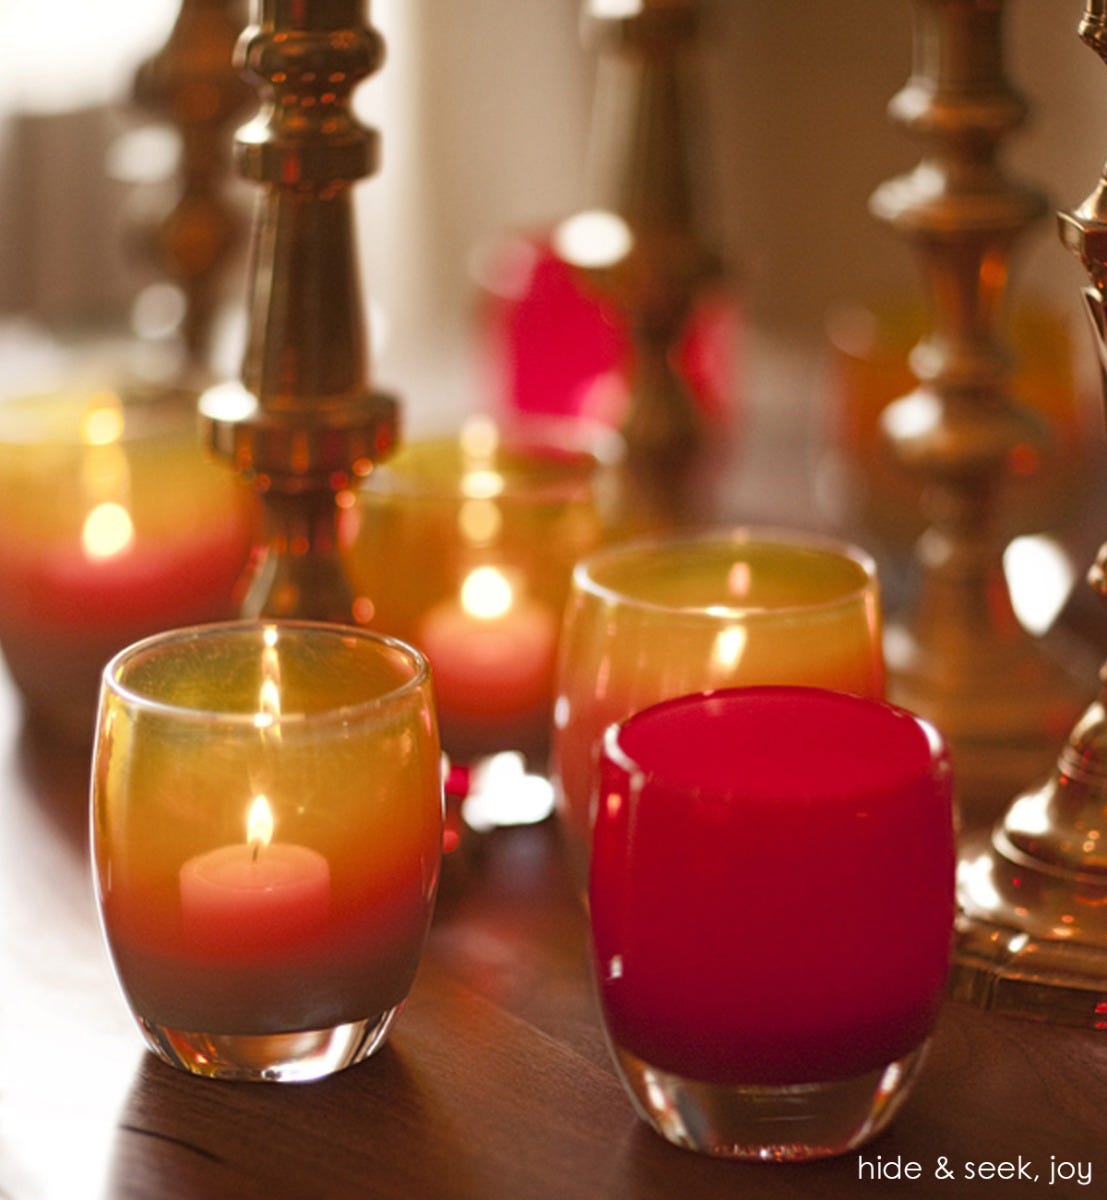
pixel 107 531
pixel 486 593
pixel 259 824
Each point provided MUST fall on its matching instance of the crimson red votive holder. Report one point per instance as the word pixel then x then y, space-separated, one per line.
pixel 771 901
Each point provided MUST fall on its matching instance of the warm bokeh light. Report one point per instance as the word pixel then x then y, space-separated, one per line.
pixel 593 239
pixel 479 438
pixel 730 644
pixel 102 424
pixel 479 522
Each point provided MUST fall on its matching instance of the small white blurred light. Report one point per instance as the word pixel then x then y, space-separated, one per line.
pixel 502 794
pixel 1040 576
pixel 593 239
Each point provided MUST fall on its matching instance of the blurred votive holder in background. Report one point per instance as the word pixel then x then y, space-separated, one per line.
pixel 114 527
pixel 463 546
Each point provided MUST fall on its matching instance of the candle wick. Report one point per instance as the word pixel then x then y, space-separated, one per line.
pixel 257 848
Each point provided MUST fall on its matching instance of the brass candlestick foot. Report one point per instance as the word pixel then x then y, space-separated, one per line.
pixel 1033 893
pixel 304 425
pixel 960 657
pixel 1032 927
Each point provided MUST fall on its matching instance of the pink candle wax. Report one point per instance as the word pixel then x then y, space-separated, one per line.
pixel 241 902
pixel 493 657
pixel 772 885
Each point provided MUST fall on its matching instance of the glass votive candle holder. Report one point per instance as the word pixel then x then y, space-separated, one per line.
pixel 114 527
pixel 650 620
pixel 464 546
pixel 771 903
pixel 266 836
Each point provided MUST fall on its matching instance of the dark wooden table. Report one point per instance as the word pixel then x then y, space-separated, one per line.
pixel 496 1083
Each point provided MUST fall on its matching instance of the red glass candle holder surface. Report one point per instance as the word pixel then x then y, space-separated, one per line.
pixel 266 836
pixel 771 901
pixel 554 344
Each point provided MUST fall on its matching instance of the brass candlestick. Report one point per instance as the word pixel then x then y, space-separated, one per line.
pixel 960 656
pixel 647 249
pixel 1033 892
pixel 304 424
pixel 192 84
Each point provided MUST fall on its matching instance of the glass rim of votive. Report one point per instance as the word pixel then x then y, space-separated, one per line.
pixel 146 412
pixel 421 672
pixel 924 734
pixel 585 571
pixel 586 447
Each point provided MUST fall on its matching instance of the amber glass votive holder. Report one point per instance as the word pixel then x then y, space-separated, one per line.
pixel 653 619
pixel 266 837
pixel 771 903
pixel 463 545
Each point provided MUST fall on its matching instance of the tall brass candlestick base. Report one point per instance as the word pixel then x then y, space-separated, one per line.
pixel 304 424
pixel 960 657
pixel 1033 892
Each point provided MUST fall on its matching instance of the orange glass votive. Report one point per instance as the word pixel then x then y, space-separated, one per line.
pixel 647 621
pixel 463 546
pixel 114 527
pixel 267 831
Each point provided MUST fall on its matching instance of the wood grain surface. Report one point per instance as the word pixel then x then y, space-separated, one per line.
pixel 496 1084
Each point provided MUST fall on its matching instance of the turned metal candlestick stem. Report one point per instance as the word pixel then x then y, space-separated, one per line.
pixel 191 82
pixel 960 657
pixel 644 171
pixel 304 424
pixel 1033 892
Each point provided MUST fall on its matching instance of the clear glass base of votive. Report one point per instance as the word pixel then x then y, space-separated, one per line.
pixel 299 1057
pixel 785 1123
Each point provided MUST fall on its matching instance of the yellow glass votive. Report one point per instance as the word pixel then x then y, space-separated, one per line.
pixel 114 527
pixel 267 831
pixel 464 547
pixel 648 621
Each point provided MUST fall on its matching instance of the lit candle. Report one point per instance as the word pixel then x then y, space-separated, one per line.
pixel 655 619
pixel 493 654
pixel 254 899
pixel 488 525
pixel 267 837
pixel 97 549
